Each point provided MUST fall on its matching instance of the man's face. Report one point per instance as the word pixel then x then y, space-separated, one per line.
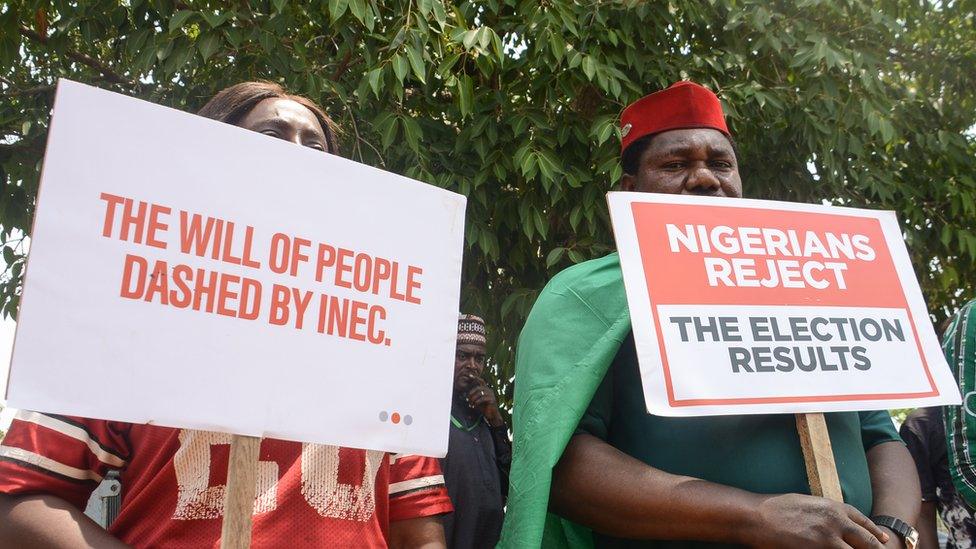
pixel 288 120
pixel 469 362
pixel 697 161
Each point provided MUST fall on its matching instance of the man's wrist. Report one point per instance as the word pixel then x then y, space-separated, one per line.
pixel 494 417
pixel 904 533
pixel 750 516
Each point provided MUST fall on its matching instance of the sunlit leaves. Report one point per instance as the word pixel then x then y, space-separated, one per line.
pixel 515 104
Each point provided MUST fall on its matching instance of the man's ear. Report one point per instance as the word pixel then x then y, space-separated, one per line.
pixel 628 182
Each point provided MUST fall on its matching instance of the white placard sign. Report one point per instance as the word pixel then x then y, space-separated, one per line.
pixel 190 273
pixel 750 306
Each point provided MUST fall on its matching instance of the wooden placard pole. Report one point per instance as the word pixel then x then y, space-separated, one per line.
pixel 818 456
pixel 242 471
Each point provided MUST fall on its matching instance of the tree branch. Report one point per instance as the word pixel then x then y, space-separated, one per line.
pixel 12 89
pixel 343 65
pixel 19 147
pixel 90 62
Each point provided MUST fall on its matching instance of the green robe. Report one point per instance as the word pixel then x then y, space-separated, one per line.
pixel 550 398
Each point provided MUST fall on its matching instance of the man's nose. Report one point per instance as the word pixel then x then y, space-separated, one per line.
pixel 702 180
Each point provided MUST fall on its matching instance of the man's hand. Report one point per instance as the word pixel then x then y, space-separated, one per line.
pixel 482 398
pixel 794 520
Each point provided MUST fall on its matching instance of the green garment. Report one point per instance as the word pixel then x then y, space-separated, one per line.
pixel 566 346
pixel 569 341
pixel 959 345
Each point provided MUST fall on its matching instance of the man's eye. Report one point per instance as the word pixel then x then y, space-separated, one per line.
pixel 722 165
pixel 674 166
pixel 272 133
pixel 316 146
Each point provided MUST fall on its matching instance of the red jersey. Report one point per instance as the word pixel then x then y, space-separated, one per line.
pixel 173 482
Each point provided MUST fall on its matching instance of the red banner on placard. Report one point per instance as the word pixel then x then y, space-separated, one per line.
pixel 780 237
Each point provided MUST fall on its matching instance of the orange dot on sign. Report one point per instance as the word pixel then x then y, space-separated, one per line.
pixel 395 418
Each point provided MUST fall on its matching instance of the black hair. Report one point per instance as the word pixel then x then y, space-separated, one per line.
pixel 630 158
pixel 232 104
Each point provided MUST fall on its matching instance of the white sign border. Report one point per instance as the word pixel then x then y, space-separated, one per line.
pixel 641 313
pixel 399 441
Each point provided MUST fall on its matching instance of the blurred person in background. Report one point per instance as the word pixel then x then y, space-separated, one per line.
pixel 479 452
pixel 959 346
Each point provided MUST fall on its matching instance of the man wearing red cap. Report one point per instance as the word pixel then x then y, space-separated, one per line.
pixel 615 476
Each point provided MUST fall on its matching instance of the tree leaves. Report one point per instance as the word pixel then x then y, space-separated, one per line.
pixel 208 45
pixel 516 105
pixel 180 19
pixel 400 67
pixel 465 95
pixel 337 8
pixel 416 63
pixel 358 9
pixel 374 80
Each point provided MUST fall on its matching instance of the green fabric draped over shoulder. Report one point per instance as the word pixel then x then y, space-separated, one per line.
pixel 569 341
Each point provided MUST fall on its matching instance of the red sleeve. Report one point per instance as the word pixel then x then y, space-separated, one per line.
pixel 60 455
pixel 417 488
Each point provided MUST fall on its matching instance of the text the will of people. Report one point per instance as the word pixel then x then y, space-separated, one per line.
pixel 331 307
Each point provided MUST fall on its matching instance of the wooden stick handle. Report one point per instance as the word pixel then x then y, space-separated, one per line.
pixel 818 456
pixel 239 500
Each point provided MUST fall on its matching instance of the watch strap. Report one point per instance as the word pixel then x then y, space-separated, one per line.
pixel 898 526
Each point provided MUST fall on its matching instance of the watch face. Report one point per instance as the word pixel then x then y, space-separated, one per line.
pixel 911 539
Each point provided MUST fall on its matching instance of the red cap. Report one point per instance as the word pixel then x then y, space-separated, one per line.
pixel 683 105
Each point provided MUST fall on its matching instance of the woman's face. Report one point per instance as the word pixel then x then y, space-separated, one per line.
pixel 288 120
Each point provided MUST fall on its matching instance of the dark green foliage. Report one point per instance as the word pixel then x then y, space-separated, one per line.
pixel 513 103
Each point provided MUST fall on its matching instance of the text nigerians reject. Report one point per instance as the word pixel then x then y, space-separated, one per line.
pixel 791 259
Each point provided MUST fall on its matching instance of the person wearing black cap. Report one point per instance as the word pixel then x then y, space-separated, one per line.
pixel 591 467
pixel 479 453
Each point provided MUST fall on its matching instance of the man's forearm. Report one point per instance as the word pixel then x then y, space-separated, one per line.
pixel 417 533
pixel 597 485
pixel 894 481
pixel 601 487
pixel 43 521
